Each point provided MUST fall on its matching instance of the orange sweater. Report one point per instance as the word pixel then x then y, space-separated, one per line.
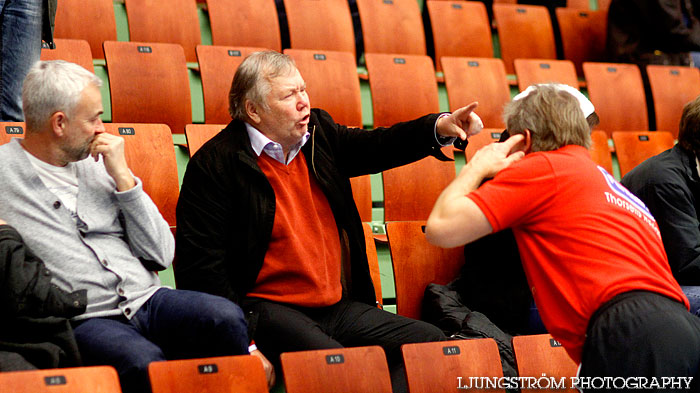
pixel 302 264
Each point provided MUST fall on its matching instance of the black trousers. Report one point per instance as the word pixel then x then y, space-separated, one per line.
pixel 283 328
pixel 643 334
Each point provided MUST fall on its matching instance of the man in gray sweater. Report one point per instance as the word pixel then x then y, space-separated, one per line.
pixel 67 189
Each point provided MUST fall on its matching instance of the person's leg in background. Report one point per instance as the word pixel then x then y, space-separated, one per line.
pixel 20 48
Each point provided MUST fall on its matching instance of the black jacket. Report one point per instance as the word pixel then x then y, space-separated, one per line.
pixel 669 185
pixel 226 209
pixel 652 32
pixel 34 311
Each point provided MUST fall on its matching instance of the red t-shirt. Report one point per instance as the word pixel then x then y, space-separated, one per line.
pixel 303 261
pixel 583 238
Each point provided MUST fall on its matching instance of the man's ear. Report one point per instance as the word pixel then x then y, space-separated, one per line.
pixel 58 123
pixel 251 110
pixel 527 143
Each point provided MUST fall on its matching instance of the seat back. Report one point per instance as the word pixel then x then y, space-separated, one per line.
pixel 633 147
pixel 373 260
pixel 617 92
pixel 532 71
pixel 150 154
pixel 477 79
pixel 583 35
pixel 245 23
pixel 540 355
pixel 9 130
pixel 453 37
pixel 578 4
pixel 331 82
pixel 435 366
pixel 393 99
pixel 392 27
pixel 199 134
pixel 172 21
pixel 362 194
pixel 672 87
pixel 226 374
pixel 600 150
pixel 340 370
pixel 98 379
pixel 410 191
pixel 217 66
pixel 148 83
pixel 485 137
pixel 75 51
pixel 321 25
pixel 71 19
pixel 418 263
pixel 524 32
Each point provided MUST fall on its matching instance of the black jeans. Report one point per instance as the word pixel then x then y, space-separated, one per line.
pixel 283 328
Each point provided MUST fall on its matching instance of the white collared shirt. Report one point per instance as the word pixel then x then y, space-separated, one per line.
pixel 261 143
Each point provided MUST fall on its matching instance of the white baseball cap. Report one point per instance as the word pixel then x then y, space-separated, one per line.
pixel 586 105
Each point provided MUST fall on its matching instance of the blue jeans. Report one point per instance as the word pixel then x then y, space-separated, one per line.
pixel 172 324
pixel 20 48
pixel 693 295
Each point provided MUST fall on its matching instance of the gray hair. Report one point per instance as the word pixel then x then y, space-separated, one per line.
pixel 552 115
pixel 252 80
pixel 53 86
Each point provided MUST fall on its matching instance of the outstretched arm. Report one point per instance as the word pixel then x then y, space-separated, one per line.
pixel 456 219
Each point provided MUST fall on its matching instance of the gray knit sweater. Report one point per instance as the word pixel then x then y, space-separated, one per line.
pixel 104 252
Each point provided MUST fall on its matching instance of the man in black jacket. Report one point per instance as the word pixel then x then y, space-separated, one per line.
pixel 35 332
pixel 279 232
pixel 669 186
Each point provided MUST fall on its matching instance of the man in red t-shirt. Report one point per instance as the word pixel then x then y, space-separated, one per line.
pixel 591 251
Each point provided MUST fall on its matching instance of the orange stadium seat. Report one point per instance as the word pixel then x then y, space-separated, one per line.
pixel 485 137
pixel 532 71
pixel 199 134
pixel 434 367
pixel 373 260
pixel 392 26
pixel 71 18
pixel 453 37
pixel 600 150
pixel 617 92
pixel 633 147
pixel 148 83
pixel 540 355
pixel 98 379
pixel 75 51
pixel 9 130
pixel 245 23
pixel 395 100
pixel 340 370
pixel 524 31
pixel 672 87
pixel 150 154
pixel 418 263
pixel 574 26
pixel 173 21
pixel 225 374
pixel 321 25
pixel 477 79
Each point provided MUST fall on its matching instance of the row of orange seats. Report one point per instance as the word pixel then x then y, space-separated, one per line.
pixel 394 26
pixel 430 368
